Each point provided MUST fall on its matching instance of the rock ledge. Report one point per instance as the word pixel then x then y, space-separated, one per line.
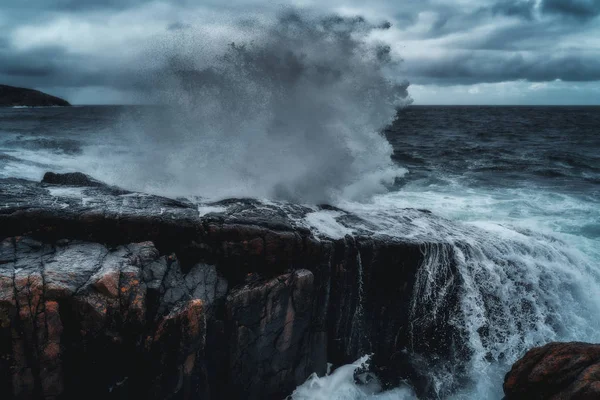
pixel 106 293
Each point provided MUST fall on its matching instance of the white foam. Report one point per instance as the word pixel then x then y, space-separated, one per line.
pixel 72 192
pixel 324 222
pixel 529 276
pixel 340 385
pixel 204 209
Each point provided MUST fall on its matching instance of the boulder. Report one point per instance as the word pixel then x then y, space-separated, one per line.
pixel 71 179
pixel 556 371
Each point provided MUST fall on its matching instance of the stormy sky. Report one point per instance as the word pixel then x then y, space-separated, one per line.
pixel 453 51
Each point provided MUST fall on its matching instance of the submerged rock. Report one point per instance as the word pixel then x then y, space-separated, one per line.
pixel 111 294
pixel 556 371
pixel 11 96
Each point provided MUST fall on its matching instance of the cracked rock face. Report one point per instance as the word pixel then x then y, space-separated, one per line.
pixel 111 294
pixel 68 308
pixel 271 333
pixel 72 310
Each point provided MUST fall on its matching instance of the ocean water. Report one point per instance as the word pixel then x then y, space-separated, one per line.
pixel 518 189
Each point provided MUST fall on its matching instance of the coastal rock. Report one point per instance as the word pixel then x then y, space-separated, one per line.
pixel 71 179
pixel 112 294
pixel 556 371
pixel 11 96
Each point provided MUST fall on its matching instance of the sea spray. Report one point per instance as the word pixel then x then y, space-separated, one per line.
pixel 293 111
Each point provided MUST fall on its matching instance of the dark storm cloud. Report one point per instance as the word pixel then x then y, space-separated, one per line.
pixel 55 67
pixel 73 5
pixel 581 9
pixel 449 20
pixel 489 68
pixel 41 63
pixel 508 40
pixel 443 42
pixel 78 4
pixel 537 37
pixel 519 8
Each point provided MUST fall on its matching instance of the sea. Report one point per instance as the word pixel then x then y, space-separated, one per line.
pixel 517 189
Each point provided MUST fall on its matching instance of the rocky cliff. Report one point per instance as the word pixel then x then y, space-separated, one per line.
pixel 11 96
pixel 110 294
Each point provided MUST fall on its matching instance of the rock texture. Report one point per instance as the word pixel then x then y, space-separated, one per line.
pixel 556 371
pixel 111 294
pixel 11 96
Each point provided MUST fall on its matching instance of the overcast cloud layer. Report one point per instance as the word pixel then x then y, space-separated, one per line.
pixel 454 51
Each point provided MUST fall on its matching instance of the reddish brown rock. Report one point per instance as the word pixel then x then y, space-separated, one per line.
pixel 100 294
pixel 556 371
pixel 178 342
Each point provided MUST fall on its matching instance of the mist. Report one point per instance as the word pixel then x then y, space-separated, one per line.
pixel 286 108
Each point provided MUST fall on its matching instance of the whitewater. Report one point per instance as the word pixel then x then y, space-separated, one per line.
pixel 309 111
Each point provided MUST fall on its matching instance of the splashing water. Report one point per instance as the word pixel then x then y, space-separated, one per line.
pixel 293 112
pixel 340 385
pixel 486 293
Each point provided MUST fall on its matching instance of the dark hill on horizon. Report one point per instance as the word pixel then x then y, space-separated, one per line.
pixel 11 96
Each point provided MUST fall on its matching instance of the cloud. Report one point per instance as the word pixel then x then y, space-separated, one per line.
pixel 509 93
pixel 580 9
pixel 483 66
pixel 519 8
pixel 107 34
pixel 63 43
pixel 76 5
pixel 176 26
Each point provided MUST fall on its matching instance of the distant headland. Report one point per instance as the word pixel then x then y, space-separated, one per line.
pixel 11 96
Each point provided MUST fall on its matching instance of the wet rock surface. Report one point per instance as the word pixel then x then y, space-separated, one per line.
pixel 557 371
pixel 71 179
pixel 110 294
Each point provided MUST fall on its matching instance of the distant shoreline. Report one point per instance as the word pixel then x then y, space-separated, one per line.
pixel 11 96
